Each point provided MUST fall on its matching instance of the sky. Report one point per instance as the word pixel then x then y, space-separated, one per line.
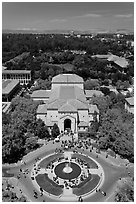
pixel 68 15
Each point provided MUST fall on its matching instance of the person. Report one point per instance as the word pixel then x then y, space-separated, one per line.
pixel 80 199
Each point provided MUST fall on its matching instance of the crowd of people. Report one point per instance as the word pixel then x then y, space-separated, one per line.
pixel 71 182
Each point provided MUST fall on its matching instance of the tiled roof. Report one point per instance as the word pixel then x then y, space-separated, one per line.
pixel 54 95
pixel 56 104
pixel 67 108
pixel 78 104
pixel 42 109
pixel 101 56
pixel 93 108
pixel 60 95
pixel 67 78
pixel 67 92
pixel 71 94
pixel 130 100
pixel 121 61
pixel 83 124
pixel 41 94
pixel 74 102
pixel 113 58
pixel 16 71
pixel 91 93
pixel 5 106
pixel 8 85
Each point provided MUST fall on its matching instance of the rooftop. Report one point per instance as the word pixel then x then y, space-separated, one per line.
pixel 121 61
pixel 42 109
pixel 67 94
pixel 67 108
pixel 41 94
pixel 5 106
pixel 130 100
pixel 16 71
pixel 8 85
pixel 93 108
pixel 3 68
pixel 101 56
pixel 67 78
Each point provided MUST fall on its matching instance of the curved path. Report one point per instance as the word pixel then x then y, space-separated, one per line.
pixel 112 169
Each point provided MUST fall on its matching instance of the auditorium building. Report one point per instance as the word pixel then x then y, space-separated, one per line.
pixel 66 104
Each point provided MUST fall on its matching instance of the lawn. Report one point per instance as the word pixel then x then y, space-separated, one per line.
pixel 87 186
pixel 48 185
pixel 44 163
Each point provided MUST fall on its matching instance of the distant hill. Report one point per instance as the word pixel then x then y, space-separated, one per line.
pixel 91 31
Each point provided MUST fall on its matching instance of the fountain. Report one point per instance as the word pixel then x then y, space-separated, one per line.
pixel 67 169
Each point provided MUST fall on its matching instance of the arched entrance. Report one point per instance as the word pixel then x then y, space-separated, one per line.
pixel 67 124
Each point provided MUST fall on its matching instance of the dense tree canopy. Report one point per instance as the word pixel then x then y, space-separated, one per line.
pixel 117 132
pixel 41 53
pixel 21 133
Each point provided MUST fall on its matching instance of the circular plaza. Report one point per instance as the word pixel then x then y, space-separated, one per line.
pixel 67 175
pixel 65 171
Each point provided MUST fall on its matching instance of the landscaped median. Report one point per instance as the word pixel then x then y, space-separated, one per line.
pixel 87 186
pixel 44 163
pixel 48 185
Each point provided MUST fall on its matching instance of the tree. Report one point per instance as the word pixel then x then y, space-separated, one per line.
pixel 42 84
pixel 15 137
pixel 125 193
pixel 31 143
pixel 41 129
pixel 116 132
pixel 122 85
pixel 94 125
pixel 91 84
pixel 105 90
pixel 5 118
pixel 12 147
pixel 55 131
pixel 43 75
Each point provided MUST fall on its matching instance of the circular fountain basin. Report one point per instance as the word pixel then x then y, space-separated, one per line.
pixel 66 171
